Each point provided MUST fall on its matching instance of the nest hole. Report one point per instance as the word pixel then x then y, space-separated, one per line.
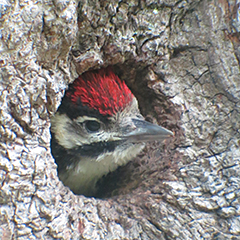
pixel 154 163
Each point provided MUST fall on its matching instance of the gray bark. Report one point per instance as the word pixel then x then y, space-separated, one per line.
pixel 181 60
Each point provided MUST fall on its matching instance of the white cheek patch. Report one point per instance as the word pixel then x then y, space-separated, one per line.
pixel 65 133
pixel 99 136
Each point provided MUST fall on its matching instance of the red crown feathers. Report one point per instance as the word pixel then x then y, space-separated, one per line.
pixel 101 90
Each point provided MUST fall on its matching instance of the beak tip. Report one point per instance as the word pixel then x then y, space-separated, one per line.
pixel 172 134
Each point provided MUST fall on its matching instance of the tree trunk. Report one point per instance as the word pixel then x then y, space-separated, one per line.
pixel 181 60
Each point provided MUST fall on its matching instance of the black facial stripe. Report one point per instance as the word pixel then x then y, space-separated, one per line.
pixel 96 149
pixel 66 157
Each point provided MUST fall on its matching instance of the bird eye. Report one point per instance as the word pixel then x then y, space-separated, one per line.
pixel 92 126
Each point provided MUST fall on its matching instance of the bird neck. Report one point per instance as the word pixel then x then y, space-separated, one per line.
pixel 80 172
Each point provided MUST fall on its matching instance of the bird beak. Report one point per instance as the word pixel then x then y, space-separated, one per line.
pixel 143 131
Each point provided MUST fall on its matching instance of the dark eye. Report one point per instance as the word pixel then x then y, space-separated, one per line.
pixel 92 126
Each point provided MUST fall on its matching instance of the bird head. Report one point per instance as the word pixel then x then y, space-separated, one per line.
pixel 97 128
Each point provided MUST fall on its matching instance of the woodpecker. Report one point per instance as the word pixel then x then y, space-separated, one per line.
pixel 97 128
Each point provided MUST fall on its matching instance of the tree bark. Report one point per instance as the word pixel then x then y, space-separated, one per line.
pixel 181 60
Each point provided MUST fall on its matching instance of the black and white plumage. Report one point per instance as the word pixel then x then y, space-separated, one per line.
pixel 97 128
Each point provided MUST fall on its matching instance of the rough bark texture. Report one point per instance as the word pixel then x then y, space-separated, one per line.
pixel 181 59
